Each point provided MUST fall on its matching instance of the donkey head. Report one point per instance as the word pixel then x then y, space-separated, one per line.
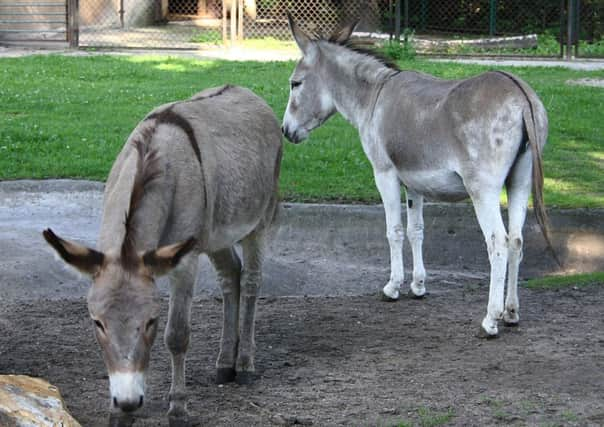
pixel 310 103
pixel 124 305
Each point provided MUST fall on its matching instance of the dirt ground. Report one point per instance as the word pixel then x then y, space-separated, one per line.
pixel 348 361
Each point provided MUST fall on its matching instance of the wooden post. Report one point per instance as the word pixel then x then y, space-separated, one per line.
pixel 233 22
pixel 73 23
pixel 240 21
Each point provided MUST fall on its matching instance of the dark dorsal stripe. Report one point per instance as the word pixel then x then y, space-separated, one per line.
pixel 169 117
pixel 148 170
pixel 220 91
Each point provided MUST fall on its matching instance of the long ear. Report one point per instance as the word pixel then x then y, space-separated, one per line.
pixel 164 259
pixel 344 34
pixel 84 259
pixel 302 40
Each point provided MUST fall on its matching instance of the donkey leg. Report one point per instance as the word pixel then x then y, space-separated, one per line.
pixel 388 185
pixel 176 335
pixel 251 280
pixel 518 190
pixel 228 268
pixel 415 234
pixel 488 212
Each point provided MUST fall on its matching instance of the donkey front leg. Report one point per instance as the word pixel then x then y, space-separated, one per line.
pixel 388 185
pixel 488 213
pixel 176 336
pixel 228 268
pixel 251 280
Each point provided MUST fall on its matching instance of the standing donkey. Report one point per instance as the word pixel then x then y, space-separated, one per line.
pixel 444 139
pixel 202 173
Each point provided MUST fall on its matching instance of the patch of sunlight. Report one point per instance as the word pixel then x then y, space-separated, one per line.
pixel 270 43
pixel 170 67
pixel 171 63
pixel 596 155
pixel 560 185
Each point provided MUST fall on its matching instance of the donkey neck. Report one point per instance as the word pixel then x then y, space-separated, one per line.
pixel 355 81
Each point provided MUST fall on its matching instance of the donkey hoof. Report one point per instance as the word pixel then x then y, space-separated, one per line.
pixel 177 409
pixel 415 295
pixel 391 292
pixel 225 375
pixel 487 330
pixel 245 377
pixel 417 291
pixel 511 318
pixel 386 298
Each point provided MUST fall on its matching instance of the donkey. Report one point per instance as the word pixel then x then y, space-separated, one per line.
pixel 443 139
pixel 196 176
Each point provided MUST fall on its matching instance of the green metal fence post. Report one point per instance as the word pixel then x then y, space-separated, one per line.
pixel 492 17
pixel 397 20
pixel 424 12
pixel 570 20
pixel 576 26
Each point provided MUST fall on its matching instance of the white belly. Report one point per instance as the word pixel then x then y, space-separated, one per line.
pixel 440 184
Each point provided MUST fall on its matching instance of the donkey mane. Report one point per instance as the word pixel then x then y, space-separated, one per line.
pixel 147 172
pixel 370 65
pixel 356 46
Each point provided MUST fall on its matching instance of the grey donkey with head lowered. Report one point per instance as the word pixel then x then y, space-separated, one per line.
pixel 442 139
pixel 195 176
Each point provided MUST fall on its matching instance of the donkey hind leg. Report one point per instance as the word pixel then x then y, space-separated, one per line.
pixel 176 336
pixel 228 269
pixel 251 280
pixel 389 187
pixel 415 234
pixel 518 191
pixel 486 206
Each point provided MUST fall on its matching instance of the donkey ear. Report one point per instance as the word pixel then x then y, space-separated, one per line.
pixel 161 261
pixel 302 40
pixel 84 259
pixel 344 34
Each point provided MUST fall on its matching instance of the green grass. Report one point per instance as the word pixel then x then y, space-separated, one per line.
pixel 555 282
pixel 69 117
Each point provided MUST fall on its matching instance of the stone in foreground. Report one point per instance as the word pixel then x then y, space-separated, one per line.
pixel 27 401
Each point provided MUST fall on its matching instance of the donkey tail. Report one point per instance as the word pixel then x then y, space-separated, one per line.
pixel 537 137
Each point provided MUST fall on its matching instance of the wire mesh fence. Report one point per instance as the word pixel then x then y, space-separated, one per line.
pixel 588 22
pixel 538 27
pixel 151 23
pixel 267 18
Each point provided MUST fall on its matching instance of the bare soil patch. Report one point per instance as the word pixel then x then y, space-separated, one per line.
pixel 348 361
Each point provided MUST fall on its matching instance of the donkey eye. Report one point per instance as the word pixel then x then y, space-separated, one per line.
pixel 99 325
pixel 295 84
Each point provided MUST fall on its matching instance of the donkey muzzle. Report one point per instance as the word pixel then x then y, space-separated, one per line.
pixel 127 390
pixel 292 137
